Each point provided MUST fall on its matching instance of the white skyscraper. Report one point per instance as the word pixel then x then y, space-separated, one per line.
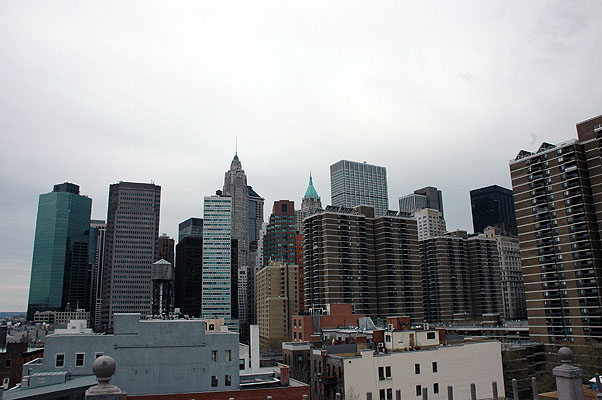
pixel 217 263
pixel 353 184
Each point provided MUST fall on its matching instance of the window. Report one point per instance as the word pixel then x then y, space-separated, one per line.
pixel 5 383
pixel 390 394
pixel 299 323
pixel 388 372
pixel 228 380
pixel 300 335
pixel 430 335
pixel 228 355
pixel 213 381
pixel 294 323
pixel 213 355
pixel 388 338
pixel 241 364
pixel 381 373
pixel 435 388
pixel 418 390
pixel 435 367
pixel 79 359
pixel 96 355
pixel 381 393
pixel 295 335
pixel 7 363
pixel 59 360
pixel 417 369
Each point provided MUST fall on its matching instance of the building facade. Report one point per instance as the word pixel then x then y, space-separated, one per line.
pixel 309 203
pixel 148 353
pixel 434 198
pixel 558 205
pixel 217 274
pixel 279 240
pixel 166 248
pixel 192 227
pixel 430 223
pixel 131 248
pixel 98 229
pixel 493 206
pixel 277 302
pixel 235 186
pixel 188 282
pixel 353 256
pixel 513 287
pixel 411 202
pixel 353 184
pixel 460 278
pixel 60 266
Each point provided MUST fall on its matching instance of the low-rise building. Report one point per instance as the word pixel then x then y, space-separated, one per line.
pixel 60 317
pixel 12 357
pixel 332 316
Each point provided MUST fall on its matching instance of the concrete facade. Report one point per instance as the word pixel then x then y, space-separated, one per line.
pixel 353 184
pixel 435 369
pixel 152 356
pixel 430 223
pixel 277 302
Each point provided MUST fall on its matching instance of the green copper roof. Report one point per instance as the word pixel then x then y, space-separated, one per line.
pixel 311 190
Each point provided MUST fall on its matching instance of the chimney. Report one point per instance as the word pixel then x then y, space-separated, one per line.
pixel 284 374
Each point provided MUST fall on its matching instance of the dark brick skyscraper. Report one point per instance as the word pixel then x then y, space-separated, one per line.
pixel 166 248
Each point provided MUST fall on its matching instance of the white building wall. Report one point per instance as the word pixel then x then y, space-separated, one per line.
pixel 429 223
pixel 457 366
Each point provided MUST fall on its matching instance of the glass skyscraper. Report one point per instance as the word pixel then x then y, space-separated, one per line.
pixel 217 263
pixel 59 270
pixel 353 184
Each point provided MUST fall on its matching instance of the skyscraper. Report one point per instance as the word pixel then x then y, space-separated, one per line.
pixel 430 224
pixel 279 241
pixel 166 248
pixel 59 269
pixel 235 186
pixel 353 184
pixel 493 206
pixel 345 264
pixel 98 229
pixel 131 248
pixel 192 227
pixel 217 288
pixel 558 201
pixel 434 198
pixel 189 275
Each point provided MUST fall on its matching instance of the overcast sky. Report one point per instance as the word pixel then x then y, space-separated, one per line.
pixel 441 93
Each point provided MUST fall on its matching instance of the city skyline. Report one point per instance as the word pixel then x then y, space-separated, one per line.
pixel 382 87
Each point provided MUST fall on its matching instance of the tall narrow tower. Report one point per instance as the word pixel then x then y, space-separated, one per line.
pixel 235 186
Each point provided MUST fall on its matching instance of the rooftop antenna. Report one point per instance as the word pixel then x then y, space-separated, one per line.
pixel 236 146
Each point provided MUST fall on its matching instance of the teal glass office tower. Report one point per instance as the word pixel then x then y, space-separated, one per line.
pixel 59 270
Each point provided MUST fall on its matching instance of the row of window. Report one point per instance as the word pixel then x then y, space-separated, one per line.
pixel 59 359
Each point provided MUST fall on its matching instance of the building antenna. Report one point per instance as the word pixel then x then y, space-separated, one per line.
pixel 236 146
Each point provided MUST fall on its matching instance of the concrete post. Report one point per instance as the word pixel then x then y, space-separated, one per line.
pixel 568 377
pixel 534 388
pixel 515 395
pixel 425 394
pixel 473 391
pixel 450 393
pixel 494 390
pixel 104 368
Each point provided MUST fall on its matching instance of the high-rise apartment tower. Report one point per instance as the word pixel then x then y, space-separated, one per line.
pixel 558 201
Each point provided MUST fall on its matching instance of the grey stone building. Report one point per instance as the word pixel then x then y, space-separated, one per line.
pixel 153 356
pixel 131 248
pixel 353 184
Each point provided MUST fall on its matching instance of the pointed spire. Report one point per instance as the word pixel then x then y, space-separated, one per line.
pixel 311 190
